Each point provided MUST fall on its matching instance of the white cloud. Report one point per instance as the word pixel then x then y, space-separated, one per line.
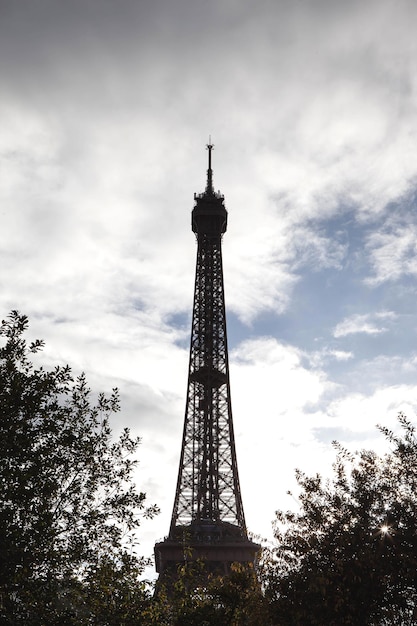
pixel 393 253
pixel 341 355
pixel 361 413
pixel 323 356
pixel 368 323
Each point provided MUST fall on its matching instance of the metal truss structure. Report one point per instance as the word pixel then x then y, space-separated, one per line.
pixel 208 511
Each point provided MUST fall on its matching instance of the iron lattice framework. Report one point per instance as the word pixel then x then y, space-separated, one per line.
pixel 208 507
pixel 208 483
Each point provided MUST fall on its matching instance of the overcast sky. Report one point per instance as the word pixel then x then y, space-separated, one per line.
pixel 105 110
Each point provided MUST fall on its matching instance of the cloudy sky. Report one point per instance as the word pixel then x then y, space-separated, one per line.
pixel 105 110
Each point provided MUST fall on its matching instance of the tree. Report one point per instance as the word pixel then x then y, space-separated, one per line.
pixel 198 597
pixel 349 555
pixel 68 505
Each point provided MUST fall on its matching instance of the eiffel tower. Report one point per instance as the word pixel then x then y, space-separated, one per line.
pixel 208 521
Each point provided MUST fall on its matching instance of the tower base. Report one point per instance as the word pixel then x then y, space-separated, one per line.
pixel 216 544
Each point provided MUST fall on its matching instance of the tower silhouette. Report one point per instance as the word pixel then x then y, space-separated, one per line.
pixel 207 520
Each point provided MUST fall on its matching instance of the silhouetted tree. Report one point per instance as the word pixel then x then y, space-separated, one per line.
pixel 202 599
pixel 68 506
pixel 349 555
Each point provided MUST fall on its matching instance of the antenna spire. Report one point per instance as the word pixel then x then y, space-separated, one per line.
pixel 209 186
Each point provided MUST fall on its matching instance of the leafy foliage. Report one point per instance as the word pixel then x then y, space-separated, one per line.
pixel 199 598
pixel 68 507
pixel 349 556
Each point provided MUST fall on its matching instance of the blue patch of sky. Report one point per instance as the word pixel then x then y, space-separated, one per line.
pixel 182 322
pixel 325 296
pixel 236 330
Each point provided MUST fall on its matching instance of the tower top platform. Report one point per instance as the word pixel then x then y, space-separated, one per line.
pixel 209 216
